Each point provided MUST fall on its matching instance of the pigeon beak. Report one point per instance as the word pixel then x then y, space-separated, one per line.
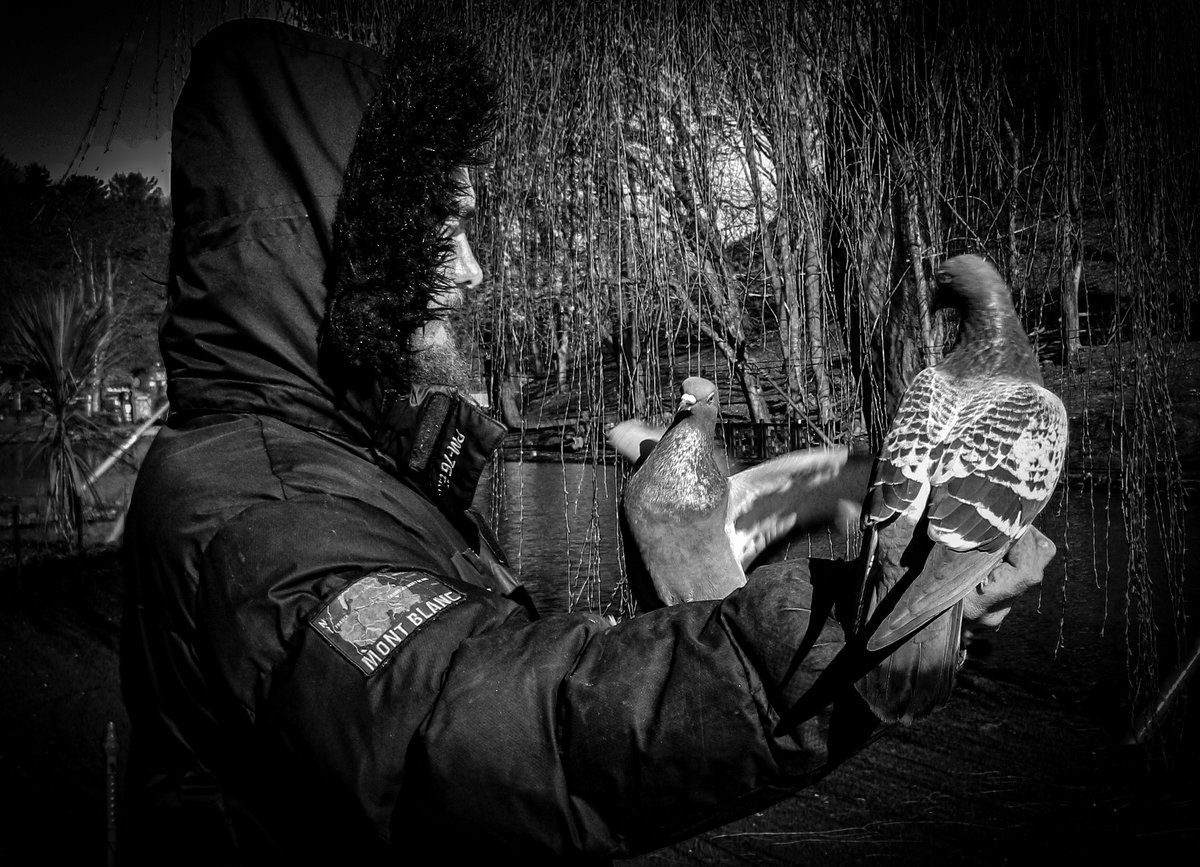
pixel 686 402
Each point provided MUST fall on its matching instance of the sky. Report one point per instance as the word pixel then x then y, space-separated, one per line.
pixel 55 59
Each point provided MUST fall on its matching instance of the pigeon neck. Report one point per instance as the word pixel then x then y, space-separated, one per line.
pixel 684 465
pixel 991 340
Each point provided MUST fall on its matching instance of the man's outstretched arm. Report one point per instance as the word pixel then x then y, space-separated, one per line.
pixel 561 737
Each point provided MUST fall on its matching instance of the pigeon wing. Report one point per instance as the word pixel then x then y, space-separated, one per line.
pixel 990 473
pixel 901 477
pixel 899 485
pixel 997 470
pixel 801 491
pixel 633 439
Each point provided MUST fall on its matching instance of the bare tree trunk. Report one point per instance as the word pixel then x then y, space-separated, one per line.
pixel 86 286
pixel 508 396
pixel 635 372
pixel 96 394
pixel 883 386
pixel 748 378
pixel 902 352
pixel 916 256
pixel 813 272
pixel 1070 211
pixel 698 233
pixel 626 335
pixel 1071 270
pixel 1014 189
pixel 790 314
pixel 89 272
pixel 812 142
pixel 627 346
pixel 744 364
pixel 110 278
pixel 562 349
pixel 873 295
pixel 781 272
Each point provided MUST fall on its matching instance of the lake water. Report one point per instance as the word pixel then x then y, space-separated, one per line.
pixel 558 524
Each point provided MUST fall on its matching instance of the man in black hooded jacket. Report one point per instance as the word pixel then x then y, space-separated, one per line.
pixel 323 653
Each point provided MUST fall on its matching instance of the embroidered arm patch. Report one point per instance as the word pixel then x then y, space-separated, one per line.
pixel 372 617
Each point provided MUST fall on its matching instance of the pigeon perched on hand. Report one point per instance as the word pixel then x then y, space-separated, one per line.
pixel 974 453
pixel 694 529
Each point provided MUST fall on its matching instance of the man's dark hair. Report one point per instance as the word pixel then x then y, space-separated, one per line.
pixel 435 110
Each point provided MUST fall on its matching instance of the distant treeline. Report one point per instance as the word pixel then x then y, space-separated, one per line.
pixel 108 239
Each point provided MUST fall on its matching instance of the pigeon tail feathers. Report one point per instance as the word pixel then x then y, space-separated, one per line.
pixel 918 675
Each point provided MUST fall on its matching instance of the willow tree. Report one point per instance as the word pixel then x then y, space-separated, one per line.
pixel 637 119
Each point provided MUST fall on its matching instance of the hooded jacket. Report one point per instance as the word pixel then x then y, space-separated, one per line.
pixel 316 653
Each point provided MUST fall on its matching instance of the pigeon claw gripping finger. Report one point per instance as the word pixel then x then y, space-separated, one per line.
pixel 692 530
pixel 973 455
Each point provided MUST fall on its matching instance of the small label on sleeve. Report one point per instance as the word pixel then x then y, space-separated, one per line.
pixel 372 617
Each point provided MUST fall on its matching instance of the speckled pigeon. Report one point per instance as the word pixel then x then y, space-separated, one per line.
pixel 696 530
pixel 972 457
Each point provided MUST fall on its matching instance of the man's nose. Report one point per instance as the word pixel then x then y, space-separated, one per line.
pixel 465 271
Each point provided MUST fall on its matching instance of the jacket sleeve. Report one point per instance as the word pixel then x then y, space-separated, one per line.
pixel 563 736
pixel 614 741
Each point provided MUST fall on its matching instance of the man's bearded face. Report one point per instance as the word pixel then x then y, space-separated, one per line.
pixel 438 357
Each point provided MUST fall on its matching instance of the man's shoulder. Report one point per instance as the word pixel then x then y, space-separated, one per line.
pixel 295 493
pixel 326 532
pixel 251 458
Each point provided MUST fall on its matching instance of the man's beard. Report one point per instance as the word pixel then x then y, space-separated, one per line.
pixel 440 362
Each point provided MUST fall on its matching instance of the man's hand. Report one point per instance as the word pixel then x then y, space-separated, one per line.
pixel 1022 568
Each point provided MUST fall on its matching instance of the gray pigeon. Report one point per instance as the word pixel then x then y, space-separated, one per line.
pixel 694 529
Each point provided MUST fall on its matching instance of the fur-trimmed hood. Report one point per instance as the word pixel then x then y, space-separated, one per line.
pixel 281 204
pixel 434 112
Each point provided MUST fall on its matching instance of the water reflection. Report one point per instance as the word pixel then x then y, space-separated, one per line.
pixel 559 526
